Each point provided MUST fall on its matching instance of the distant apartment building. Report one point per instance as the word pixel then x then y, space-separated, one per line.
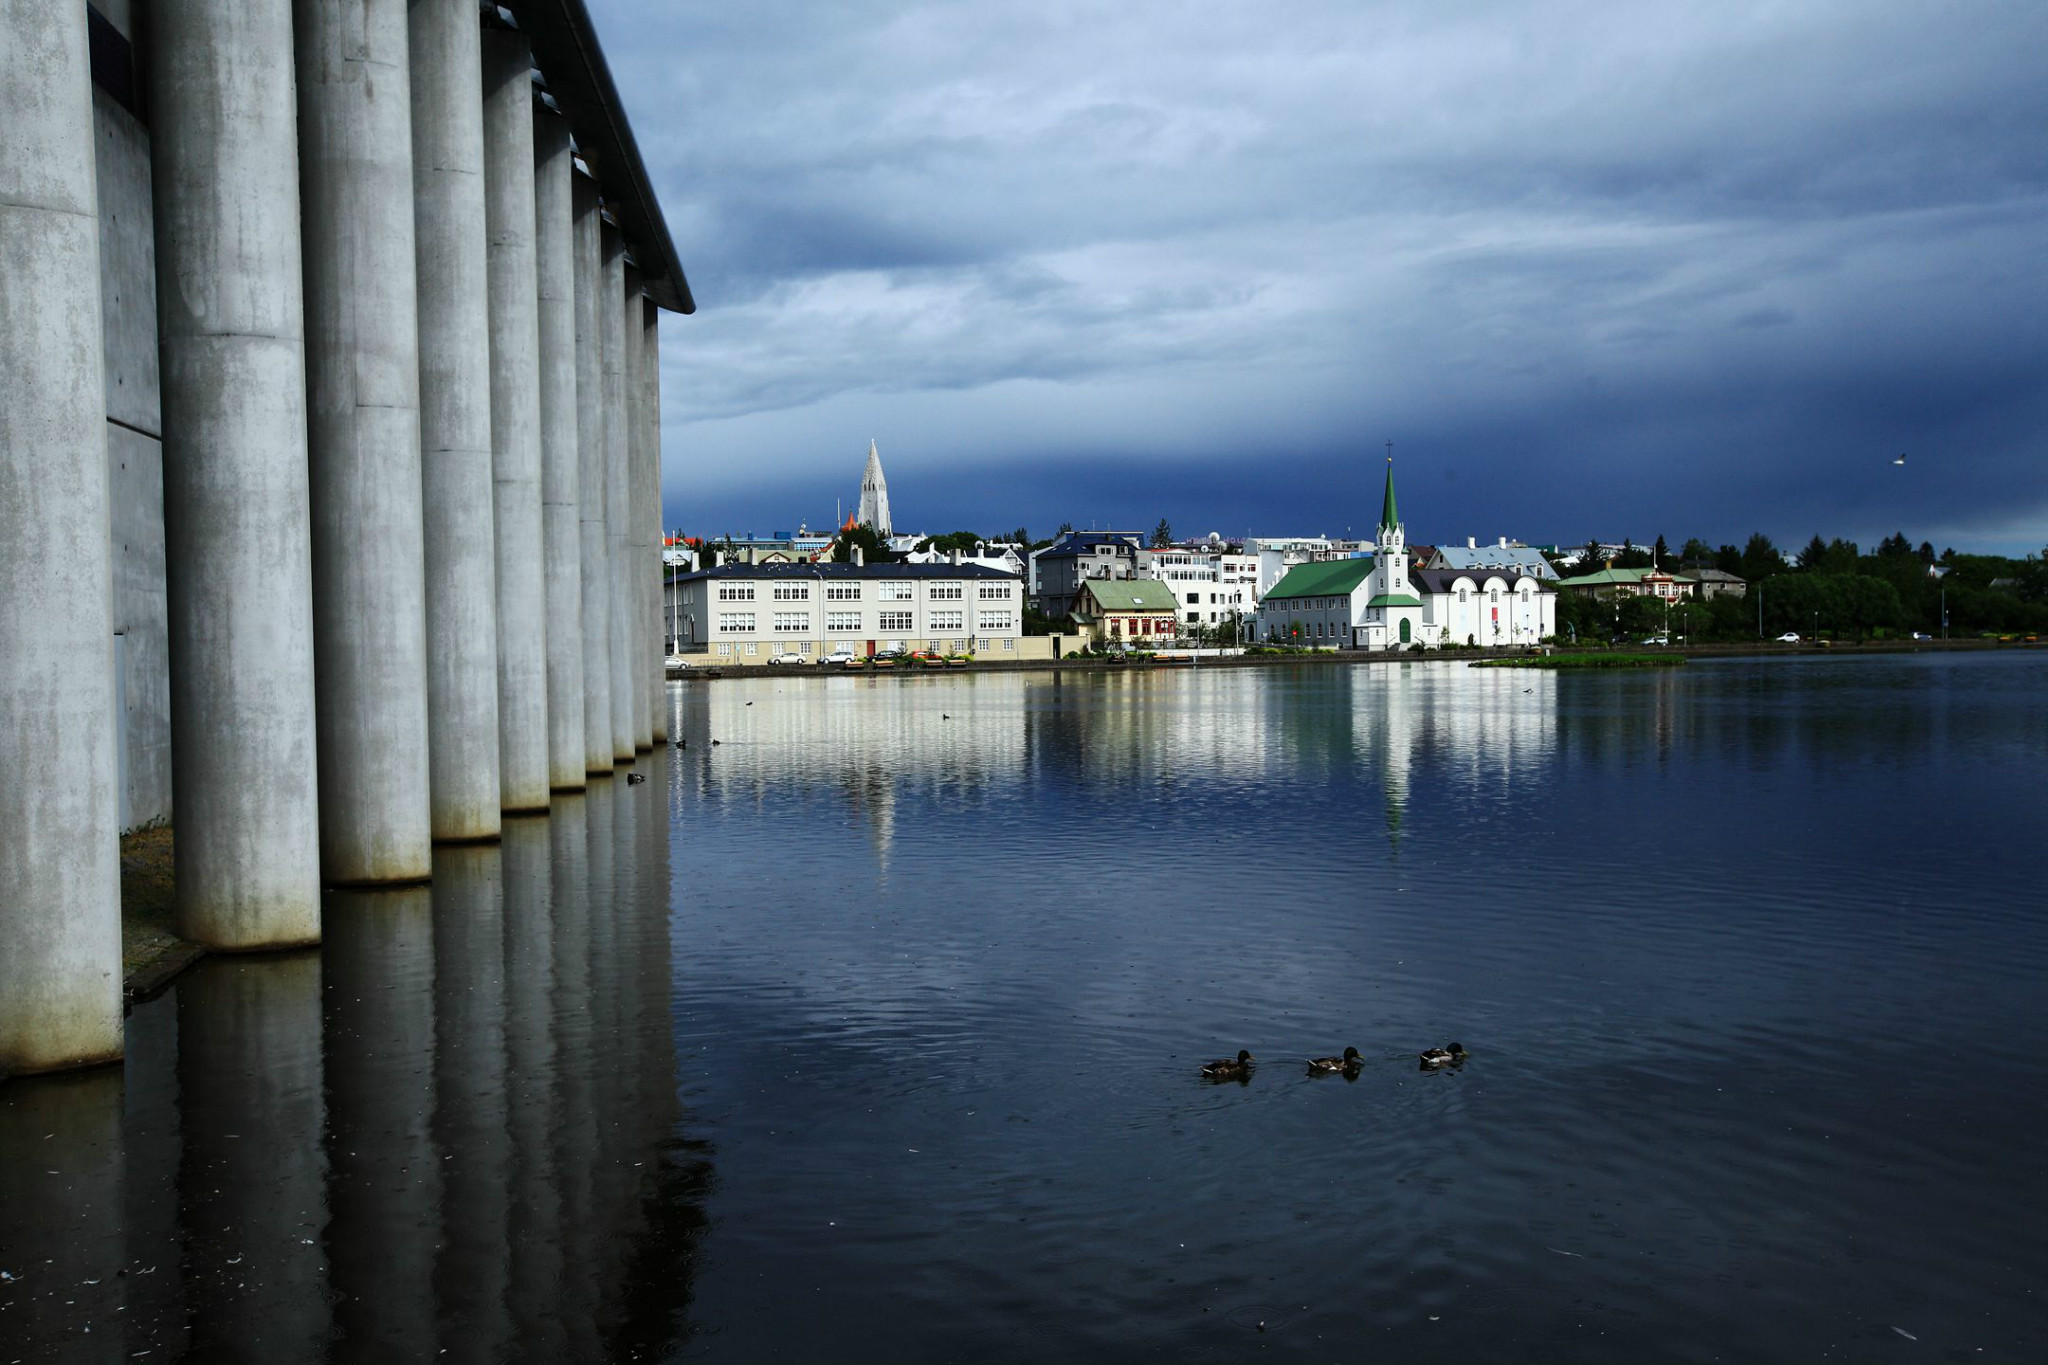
pixel 1277 554
pixel 1502 556
pixel 1210 585
pixel 1057 572
pixel 751 613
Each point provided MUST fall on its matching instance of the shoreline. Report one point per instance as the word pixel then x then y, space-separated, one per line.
pixel 1352 658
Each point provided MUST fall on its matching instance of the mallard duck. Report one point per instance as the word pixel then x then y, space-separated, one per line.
pixel 635 779
pixel 1229 1068
pixel 1347 1062
pixel 1445 1056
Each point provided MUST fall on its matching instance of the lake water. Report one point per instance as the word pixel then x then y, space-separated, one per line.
pixel 871 1032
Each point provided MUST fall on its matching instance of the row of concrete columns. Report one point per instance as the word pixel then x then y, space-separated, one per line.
pixel 411 477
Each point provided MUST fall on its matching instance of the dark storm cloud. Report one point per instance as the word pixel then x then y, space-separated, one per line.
pixel 1599 269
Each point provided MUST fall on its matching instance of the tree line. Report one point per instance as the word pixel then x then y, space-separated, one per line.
pixel 1830 587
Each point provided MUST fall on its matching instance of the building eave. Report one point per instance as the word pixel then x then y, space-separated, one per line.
pixel 566 50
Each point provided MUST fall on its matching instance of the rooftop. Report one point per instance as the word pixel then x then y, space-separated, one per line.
pixel 1322 578
pixel 807 572
pixel 1131 594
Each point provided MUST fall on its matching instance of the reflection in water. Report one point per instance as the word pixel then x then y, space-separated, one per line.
pixel 955 947
pixel 450 1133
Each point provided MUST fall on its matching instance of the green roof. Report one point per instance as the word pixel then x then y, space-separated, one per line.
pixel 1606 578
pixel 1131 594
pixel 1395 599
pixel 1323 578
pixel 1389 514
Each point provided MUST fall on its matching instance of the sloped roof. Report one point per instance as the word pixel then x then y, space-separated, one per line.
pixel 1607 578
pixel 1323 578
pixel 1446 580
pixel 1496 557
pixel 1131 594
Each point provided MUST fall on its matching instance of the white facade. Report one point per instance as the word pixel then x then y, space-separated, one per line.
pixel 1001 556
pixel 1388 605
pixel 748 613
pixel 1210 586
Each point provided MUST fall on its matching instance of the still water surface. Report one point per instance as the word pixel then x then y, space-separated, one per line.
pixel 871 1032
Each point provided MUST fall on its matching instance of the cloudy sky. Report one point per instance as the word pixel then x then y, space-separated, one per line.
pixel 1595 269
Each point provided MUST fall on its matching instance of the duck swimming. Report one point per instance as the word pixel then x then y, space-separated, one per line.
pixel 1444 1056
pixel 1325 1065
pixel 1229 1068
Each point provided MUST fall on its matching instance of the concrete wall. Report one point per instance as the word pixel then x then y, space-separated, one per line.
pixel 135 467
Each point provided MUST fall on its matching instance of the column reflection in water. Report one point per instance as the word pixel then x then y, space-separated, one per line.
pixel 61 1216
pixel 471 1145
pixel 251 1201
pixel 534 1210
pixel 580 839
pixel 383 1185
pixel 152 1117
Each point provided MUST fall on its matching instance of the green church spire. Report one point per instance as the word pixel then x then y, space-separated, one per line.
pixel 1389 514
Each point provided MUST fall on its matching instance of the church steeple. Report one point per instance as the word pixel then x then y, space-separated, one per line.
pixel 874 494
pixel 1390 515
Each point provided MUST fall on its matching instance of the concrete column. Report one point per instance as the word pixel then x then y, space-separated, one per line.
pixel 650 409
pixel 617 495
pixel 455 419
pixel 633 336
pixel 590 459
pixel 515 422
pixel 363 379
pixel 60 889
pixel 560 473
pixel 237 520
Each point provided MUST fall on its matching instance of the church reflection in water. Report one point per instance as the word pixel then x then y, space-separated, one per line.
pixel 882 745
pixel 451 1133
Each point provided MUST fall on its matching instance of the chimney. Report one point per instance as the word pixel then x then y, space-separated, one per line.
pixel 1471 542
pixel 1503 542
pixel 860 557
pixel 717 559
pixel 955 556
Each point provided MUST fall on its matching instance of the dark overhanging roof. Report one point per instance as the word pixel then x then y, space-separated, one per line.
pixel 566 50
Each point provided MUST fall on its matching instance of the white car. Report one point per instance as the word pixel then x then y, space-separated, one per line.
pixel 787 659
pixel 1789 638
pixel 839 656
pixel 678 661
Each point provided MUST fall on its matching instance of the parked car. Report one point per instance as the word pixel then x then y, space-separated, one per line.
pixel 787 659
pixel 839 656
pixel 678 661
pixel 1657 639
pixel 1789 638
pixel 1922 635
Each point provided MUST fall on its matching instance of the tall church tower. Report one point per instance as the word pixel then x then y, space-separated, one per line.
pixel 1393 613
pixel 874 494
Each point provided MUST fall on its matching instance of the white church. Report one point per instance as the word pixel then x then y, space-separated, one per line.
pixel 1380 603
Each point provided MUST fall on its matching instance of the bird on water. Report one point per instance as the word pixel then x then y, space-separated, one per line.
pixel 635 779
pixel 1325 1065
pixel 1444 1056
pixel 1229 1068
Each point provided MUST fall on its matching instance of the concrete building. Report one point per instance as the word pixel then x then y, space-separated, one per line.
pixel 743 614
pixel 285 324
pixel 1210 586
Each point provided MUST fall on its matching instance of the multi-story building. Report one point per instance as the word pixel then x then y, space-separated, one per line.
pixel 1210 586
pixel 1503 556
pixel 751 613
pixel 1059 570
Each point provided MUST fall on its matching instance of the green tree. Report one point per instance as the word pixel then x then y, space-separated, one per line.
pixel 1162 535
pixel 870 544
pixel 1632 556
pixel 1696 552
pixel 1760 559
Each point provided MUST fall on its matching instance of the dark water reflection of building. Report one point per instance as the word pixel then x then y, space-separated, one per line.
pixel 451 1133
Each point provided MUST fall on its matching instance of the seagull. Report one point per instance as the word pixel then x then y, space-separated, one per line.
pixel 1900 460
